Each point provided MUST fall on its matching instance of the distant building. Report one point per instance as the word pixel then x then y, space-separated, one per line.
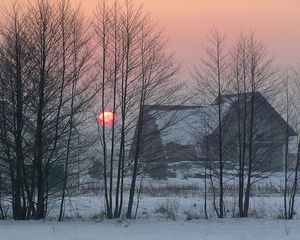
pixel 184 137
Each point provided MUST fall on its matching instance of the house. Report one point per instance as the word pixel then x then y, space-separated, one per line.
pixel 185 137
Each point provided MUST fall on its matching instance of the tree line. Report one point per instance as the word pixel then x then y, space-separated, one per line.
pixel 56 70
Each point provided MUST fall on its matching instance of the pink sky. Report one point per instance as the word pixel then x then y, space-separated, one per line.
pixel 187 23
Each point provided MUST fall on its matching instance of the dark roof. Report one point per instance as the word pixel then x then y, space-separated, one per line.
pixel 259 97
pixel 231 99
pixel 168 107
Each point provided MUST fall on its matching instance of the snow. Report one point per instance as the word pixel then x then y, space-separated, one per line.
pixel 83 223
pixel 183 217
pixel 187 126
pixel 227 229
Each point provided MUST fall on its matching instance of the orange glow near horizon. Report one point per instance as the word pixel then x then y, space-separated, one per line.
pixel 187 23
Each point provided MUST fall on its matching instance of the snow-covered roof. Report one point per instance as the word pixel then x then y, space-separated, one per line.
pixel 187 125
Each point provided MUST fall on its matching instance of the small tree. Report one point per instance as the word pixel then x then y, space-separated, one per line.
pixel 253 77
pixel 212 82
pixel 291 168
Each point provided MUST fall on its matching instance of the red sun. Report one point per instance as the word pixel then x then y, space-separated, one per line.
pixel 107 118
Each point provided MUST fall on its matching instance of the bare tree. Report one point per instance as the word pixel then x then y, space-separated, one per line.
pixel 244 85
pixel 212 83
pixel 287 105
pixel 14 65
pixel 48 92
pixel 134 67
pixel 156 71
pixel 291 154
pixel 75 59
pixel 253 76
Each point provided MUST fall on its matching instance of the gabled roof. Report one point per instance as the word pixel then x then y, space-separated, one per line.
pixel 188 125
pixel 259 98
pixel 185 125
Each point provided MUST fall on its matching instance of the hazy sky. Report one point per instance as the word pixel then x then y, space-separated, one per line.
pixel 187 23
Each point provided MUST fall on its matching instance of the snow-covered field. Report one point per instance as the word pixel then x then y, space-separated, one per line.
pixel 159 218
pixel 227 229
pixel 175 207
pixel 168 210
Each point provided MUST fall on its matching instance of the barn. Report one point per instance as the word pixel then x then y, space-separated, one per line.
pixel 184 138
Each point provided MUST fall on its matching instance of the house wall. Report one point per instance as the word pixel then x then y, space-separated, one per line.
pixel 176 152
pixel 152 153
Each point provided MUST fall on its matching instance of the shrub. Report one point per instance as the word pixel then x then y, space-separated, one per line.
pixel 169 208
